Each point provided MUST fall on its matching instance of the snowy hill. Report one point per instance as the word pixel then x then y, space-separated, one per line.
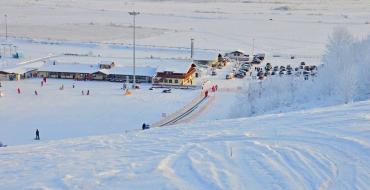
pixel 325 148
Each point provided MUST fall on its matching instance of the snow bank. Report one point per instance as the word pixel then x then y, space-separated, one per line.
pixel 325 148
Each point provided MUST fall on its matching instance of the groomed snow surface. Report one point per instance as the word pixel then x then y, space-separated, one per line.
pixel 60 114
pixel 326 148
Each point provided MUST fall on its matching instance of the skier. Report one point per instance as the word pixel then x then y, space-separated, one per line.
pixel 145 126
pixel 36 93
pixel 19 90
pixel 42 83
pixel 88 92
pixel 44 79
pixel 37 135
pixel 82 92
pixel 73 85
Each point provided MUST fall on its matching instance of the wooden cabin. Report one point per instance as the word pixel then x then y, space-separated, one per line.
pixel 175 74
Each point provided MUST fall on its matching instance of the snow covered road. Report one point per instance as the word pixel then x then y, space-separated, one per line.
pixel 326 148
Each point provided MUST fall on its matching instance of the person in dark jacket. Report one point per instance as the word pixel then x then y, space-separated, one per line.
pixel 37 135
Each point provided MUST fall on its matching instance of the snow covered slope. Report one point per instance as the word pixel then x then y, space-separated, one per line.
pixel 326 148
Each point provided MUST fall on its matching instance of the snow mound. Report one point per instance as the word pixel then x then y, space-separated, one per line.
pixel 327 148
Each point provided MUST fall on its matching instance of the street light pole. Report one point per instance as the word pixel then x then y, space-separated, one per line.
pixel 133 13
pixel 6 26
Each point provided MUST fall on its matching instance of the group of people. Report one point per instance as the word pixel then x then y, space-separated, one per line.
pixel 87 92
pixel 214 88
pixel 43 81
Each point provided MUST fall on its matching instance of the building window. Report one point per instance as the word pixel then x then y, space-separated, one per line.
pixel 165 81
pixel 170 81
pixel 176 81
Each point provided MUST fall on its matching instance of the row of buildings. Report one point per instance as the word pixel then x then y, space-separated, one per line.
pixel 176 73
pixel 170 72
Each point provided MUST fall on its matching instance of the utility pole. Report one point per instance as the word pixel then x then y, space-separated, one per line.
pixel 253 47
pixel 133 13
pixel 192 48
pixel 6 26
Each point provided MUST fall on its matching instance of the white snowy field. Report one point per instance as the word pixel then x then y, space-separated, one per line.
pixel 60 114
pixel 298 27
pixel 325 148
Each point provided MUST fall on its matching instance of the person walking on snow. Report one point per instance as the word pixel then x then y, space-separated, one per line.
pixel 37 135
pixel 44 79
pixel 42 83
pixel 88 92
pixel 19 90
pixel 36 93
pixel 82 92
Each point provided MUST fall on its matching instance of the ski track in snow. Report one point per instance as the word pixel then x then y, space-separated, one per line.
pixel 314 149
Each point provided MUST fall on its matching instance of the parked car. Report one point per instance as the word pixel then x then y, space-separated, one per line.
pixel 268 67
pixel 313 67
pixel 289 72
pixel 276 68
pixel 244 72
pixel 273 73
pixel 214 73
pixel 306 73
pixel 168 90
pixel 260 74
pixel 239 75
pixel 260 56
pixel 230 76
